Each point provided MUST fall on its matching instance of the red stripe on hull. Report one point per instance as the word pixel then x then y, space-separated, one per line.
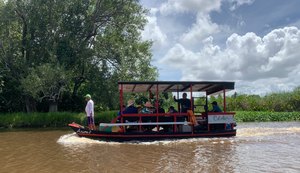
pixel 133 136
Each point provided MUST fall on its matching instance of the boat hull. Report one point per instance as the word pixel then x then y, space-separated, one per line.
pixel 146 136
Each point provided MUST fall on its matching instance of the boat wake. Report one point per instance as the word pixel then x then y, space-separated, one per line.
pixel 170 141
pixel 74 139
pixel 264 131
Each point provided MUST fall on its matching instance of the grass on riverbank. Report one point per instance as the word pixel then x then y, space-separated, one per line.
pixel 252 116
pixel 62 119
pixel 53 119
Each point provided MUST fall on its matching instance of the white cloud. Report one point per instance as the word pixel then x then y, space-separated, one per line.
pixel 237 3
pixel 192 42
pixel 246 57
pixel 153 32
pixel 195 6
pixel 203 28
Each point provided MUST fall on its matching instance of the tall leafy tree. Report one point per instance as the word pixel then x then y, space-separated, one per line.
pixel 93 42
pixel 46 82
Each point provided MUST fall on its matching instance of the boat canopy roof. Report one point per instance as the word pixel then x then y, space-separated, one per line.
pixel 210 87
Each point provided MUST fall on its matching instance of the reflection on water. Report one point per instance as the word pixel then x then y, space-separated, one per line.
pixel 258 147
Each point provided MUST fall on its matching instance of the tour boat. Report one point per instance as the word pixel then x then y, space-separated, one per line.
pixel 196 122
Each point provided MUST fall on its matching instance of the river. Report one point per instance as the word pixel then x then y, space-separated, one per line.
pixel 258 147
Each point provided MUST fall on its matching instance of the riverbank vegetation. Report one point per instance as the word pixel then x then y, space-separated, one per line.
pixel 62 119
pixel 259 116
pixel 56 119
pixel 273 102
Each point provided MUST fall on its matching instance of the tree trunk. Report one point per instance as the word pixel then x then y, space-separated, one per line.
pixel 77 83
pixel 75 90
pixel 30 104
pixel 52 106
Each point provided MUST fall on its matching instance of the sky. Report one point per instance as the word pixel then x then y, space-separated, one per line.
pixel 255 43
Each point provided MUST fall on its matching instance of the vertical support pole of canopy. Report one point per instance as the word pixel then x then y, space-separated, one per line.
pixel 224 95
pixel 191 94
pixel 206 111
pixel 192 105
pixel 121 105
pixel 156 106
pixel 206 103
pixel 121 102
pixel 178 108
pixel 178 104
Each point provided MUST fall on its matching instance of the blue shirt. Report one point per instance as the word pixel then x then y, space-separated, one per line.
pixel 130 110
pixel 216 108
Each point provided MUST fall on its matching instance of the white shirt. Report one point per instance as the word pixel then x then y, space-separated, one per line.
pixel 89 108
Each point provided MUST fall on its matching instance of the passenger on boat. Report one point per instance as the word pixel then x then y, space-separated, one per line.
pixel 160 109
pixel 184 103
pixel 215 108
pixel 89 109
pixel 148 109
pixel 139 107
pixel 162 118
pixel 172 110
pixel 130 109
pixel 168 118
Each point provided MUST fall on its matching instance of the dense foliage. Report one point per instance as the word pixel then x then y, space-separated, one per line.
pixel 274 102
pixel 54 52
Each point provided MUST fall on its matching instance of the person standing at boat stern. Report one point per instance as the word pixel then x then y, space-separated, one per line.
pixel 89 110
pixel 185 103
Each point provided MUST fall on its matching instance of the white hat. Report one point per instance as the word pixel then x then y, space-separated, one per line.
pixel 130 102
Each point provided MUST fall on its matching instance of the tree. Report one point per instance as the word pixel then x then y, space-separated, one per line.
pixel 46 82
pixel 95 42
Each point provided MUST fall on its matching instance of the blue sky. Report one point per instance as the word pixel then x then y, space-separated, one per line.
pixel 255 43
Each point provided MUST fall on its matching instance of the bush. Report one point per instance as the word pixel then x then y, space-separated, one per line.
pixel 253 116
pixel 273 102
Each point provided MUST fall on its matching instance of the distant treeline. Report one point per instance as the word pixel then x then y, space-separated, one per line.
pixel 274 102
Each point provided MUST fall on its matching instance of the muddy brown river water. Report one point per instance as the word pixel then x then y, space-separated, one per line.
pixel 258 147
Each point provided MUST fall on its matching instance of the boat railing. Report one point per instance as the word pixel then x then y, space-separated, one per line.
pixel 160 119
pixel 157 119
pixel 158 116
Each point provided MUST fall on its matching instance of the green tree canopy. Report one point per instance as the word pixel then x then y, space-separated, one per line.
pixel 88 44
